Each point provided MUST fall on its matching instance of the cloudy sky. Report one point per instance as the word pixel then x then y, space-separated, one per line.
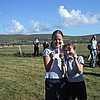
pixel 72 17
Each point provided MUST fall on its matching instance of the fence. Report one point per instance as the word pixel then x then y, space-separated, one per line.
pixel 10 49
pixel 18 50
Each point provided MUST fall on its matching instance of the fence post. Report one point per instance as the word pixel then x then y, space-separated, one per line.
pixel 20 51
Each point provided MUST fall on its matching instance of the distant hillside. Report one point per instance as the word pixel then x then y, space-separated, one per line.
pixel 80 39
pixel 27 39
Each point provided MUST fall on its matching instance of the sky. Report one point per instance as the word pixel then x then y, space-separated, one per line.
pixel 72 17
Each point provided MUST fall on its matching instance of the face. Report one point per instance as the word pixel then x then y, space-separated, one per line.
pixel 69 50
pixel 57 40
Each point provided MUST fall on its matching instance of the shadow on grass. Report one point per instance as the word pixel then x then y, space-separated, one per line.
pixel 86 64
pixel 94 74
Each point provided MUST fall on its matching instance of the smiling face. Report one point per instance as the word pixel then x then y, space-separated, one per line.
pixel 70 50
pixel 57 40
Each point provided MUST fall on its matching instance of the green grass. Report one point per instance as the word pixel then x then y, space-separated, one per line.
pixel 22 78
pixel 92 79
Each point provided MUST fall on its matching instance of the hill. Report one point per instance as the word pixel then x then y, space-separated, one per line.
pixel 28 39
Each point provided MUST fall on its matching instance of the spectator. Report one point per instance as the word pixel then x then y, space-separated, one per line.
pixel 98 53
pixel 93 51
pixel 45 45
pixel 36 47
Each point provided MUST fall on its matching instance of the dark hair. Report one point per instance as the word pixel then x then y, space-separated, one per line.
pixel 93 37
pixel 69 44
pixel 57 31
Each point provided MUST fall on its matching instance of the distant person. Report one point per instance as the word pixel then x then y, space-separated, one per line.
pixel 76 85
pixel 55 78
pixel 98 53
pixel 36 47
pixel 45 45
pixel 93 51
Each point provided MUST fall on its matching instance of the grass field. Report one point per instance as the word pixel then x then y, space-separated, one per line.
pixel 22 78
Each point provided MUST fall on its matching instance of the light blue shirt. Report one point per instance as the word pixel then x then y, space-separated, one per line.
pixel 55 72
pixel 73 76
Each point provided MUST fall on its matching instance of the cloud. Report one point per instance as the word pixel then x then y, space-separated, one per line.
pixel 76 17
pixel 36 27
pixel 40 27
pixel 17 27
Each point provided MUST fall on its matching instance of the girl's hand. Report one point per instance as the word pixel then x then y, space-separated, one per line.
pixel 61 56
pixel 52 54
pixel 74 55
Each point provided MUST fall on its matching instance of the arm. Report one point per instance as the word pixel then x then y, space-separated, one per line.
pixel 97 46
pixel 63 66
pixel 78 66
pixel 48 62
